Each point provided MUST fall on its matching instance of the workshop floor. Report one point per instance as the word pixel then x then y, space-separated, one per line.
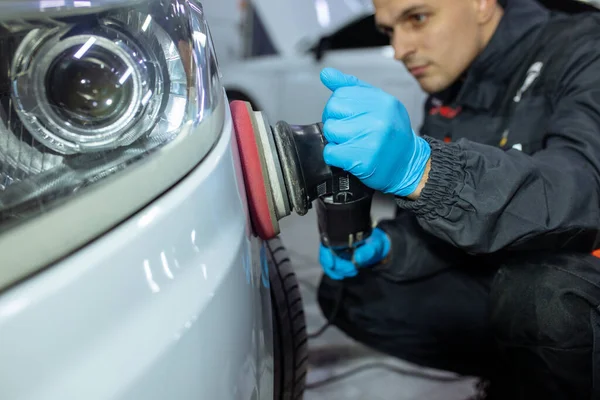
pixel 334 353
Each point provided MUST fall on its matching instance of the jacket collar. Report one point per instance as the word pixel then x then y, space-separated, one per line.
pixel 491 70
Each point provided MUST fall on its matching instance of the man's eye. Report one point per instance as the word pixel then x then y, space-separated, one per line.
pixel 419 18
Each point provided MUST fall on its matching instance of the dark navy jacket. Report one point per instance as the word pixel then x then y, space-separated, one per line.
pixel 515 163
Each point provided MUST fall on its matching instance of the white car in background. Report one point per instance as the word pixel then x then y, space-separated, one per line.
pixel 289 42
pixel 128 265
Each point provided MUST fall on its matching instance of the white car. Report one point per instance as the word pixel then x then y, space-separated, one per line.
pixel 290 42
pixel 128 264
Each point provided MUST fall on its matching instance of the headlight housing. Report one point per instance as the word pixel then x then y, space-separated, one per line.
pixel 99 89
pixel 88 94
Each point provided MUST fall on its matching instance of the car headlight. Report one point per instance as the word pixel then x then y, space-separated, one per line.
pixel 89 91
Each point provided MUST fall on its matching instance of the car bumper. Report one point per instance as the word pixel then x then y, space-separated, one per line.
pixel 171 304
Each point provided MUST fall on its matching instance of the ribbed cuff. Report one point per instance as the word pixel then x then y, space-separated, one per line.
pixel 446 179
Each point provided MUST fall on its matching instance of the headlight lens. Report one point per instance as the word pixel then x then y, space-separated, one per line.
pixel 84 96
pixel 87 91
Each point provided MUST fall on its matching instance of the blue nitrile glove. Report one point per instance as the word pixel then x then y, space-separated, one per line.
pixel 370 135
pixel 367 253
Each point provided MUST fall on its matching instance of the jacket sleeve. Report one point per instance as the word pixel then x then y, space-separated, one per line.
pixel 483 199
pixel 415 253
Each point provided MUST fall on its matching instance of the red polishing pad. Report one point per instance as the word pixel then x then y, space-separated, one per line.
pixel 260 203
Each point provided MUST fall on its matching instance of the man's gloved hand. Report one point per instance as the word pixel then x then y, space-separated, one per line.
pixel 370 252
pixel 370 136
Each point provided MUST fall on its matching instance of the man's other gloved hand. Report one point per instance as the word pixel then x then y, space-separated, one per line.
pixel 370 136
pixel 368 253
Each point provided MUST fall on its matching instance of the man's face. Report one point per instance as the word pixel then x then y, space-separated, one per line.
pixel 437 39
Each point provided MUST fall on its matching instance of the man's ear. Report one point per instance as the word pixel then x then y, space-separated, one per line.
pixel 487 10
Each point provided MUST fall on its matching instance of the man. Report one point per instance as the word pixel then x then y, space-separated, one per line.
pixel 487 268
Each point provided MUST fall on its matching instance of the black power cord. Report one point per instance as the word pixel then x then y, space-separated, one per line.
pixel 385 366
pixel 339 297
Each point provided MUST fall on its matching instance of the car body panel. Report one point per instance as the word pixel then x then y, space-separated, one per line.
pixel 300 23
pixel 289 88
pixel 303 90
pixel 172 304
pixel 255 78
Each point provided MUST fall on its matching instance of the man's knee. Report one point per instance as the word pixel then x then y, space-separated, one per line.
pixel 545 302
pixel 438 323
pixel 544 317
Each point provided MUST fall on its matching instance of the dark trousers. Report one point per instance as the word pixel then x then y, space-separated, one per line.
pixel 531 324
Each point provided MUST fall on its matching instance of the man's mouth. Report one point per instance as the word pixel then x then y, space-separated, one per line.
pixel 417 71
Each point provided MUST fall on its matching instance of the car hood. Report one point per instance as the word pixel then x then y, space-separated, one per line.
pixel 295 25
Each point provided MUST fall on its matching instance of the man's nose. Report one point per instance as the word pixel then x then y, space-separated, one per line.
pixel 403 46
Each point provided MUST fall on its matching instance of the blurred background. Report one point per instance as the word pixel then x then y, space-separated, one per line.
pixel 270 53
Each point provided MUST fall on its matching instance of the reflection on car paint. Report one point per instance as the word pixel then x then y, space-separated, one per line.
pixel 149 278
pixel 247 267
pixel 166 268
pixel 265 265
